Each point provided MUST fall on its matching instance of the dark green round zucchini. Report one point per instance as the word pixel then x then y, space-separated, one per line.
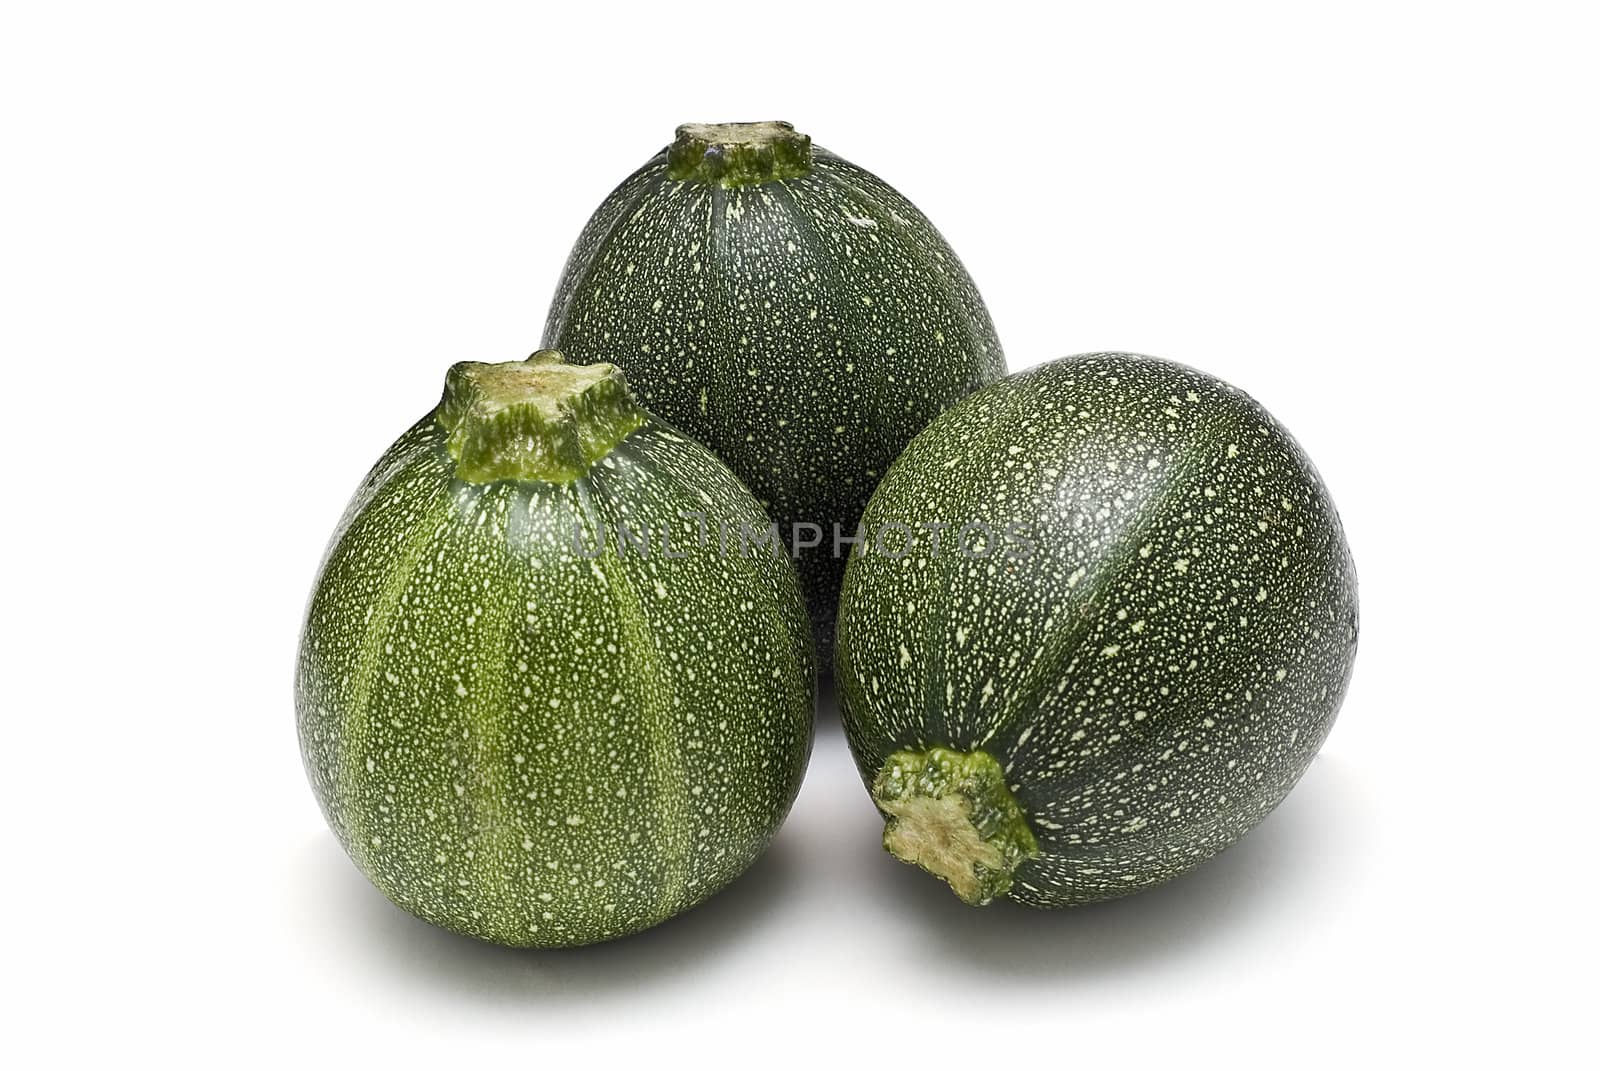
pixel 789 310
pixel 537 706
pixel 1131 640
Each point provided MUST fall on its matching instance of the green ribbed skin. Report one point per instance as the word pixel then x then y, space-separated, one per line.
pixel 785 307
pixel 520 743
pixel 1154 674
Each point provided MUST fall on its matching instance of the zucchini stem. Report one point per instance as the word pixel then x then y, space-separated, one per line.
pixel 950 813
pixel 539 419
pixel 738 154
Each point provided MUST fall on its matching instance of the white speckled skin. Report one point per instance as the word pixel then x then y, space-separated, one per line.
pixel 805 329
pixel 1160 672
pixel 519 743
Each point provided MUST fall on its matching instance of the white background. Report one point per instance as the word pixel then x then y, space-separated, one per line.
pixel 242 243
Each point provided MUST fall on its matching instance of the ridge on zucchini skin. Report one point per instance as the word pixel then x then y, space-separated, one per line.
pixel 1155 676
pixel 787 308
pixel 530 742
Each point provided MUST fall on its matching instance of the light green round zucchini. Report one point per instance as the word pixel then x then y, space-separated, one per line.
pixel 522 724
pixel 1134 638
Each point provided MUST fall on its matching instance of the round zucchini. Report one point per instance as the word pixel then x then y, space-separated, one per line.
pixel 1104 621
pixel 788 309
pixel 537 701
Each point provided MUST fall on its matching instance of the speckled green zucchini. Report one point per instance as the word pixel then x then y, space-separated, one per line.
pixel 788 309
pixel 521 726
pixel 1128 657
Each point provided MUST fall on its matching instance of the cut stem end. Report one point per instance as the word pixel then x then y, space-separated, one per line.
pixel 539 419
pixel 950 813
pixel 738 154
